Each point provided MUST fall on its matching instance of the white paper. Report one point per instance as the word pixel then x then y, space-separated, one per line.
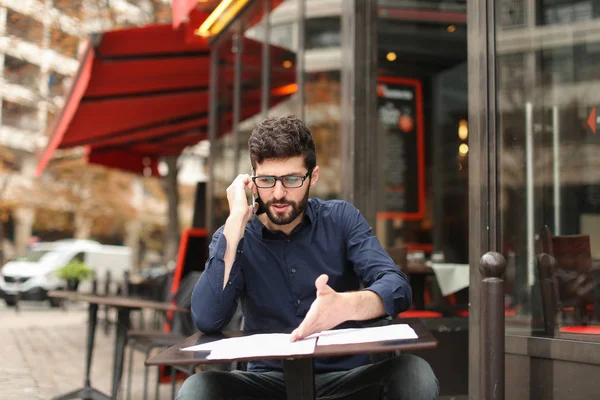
pixel 365 335
pixel 260 345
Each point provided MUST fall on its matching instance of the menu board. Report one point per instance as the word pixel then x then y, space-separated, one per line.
pixel 400 111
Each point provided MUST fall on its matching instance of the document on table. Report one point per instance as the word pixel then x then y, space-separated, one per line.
pixel 279 344
pixel 365 335
pixel 260 345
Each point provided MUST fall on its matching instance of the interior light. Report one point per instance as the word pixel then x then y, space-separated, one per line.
pixel 451 28
pixel 463 149
pixel 463 129
pixel 391 56
pixel 287 64
pixel 285 90
pixel 220 17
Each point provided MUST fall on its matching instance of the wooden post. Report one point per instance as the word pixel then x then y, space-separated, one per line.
pixel 107 282
pixel 492 266
pixel 95 284
pixel 125 290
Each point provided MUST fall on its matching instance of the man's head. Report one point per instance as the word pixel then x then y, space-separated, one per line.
pixel 282 147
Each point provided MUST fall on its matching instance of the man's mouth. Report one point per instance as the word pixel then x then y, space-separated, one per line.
pixel 280 207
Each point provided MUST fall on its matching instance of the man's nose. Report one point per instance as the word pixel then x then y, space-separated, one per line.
pixel 278 190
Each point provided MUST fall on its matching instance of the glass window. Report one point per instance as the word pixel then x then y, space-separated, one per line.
pixel 33 255
pixel 24 27
pixel 423 123
pixel 223 148
pixel 58 83
pixel 19 116
pixel 161 11
pixel 568 11
pixel 549 186
pixel 322 115
pixel 322 102
pixel 72 8
pixel 322 91
pixel 323 32
pixel 282 35
pixel 50 118
pixel 20 72
pixel 64 43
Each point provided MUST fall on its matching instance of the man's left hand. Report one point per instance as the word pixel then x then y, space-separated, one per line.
pixel 326 312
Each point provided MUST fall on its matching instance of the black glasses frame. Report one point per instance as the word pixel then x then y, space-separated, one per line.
pixel 281 178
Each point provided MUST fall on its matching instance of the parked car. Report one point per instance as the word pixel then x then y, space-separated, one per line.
pixel 34 274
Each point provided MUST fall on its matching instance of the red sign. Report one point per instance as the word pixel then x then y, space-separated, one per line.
pixel 592 121
pixel 400 111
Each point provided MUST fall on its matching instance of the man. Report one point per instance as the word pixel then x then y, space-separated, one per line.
pixel 299 264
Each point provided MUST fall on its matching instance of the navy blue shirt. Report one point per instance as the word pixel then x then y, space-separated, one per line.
pixel 274 275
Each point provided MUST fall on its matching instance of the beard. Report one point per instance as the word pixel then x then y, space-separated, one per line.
pixel 283 218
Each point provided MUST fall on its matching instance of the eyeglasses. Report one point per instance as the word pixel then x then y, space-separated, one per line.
pixel 288 181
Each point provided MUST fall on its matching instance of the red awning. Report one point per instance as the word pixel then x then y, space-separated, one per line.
pixel 142 93
pixel 181 10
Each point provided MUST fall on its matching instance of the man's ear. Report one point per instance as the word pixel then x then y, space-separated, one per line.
pixel 314 177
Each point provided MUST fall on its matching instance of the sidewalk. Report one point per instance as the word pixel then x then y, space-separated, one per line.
pixel 42 354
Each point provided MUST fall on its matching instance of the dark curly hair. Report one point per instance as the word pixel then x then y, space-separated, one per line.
pixel 282 137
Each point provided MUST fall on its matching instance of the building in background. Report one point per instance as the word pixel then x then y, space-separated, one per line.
pixel 40 42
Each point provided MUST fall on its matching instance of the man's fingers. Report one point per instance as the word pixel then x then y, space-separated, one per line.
pixel 250 184
pixel 306 326
pixel 321 281
pixel 321 284
pixel 296 335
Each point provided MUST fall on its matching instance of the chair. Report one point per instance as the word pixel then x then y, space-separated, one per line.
pixel 147 341
pixel 182 327
pixel 552 304
pixel 574 281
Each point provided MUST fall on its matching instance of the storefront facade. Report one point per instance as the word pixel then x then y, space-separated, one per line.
pixel 457 128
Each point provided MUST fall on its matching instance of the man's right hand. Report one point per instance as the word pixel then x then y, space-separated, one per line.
pixel 238 201
pixel 239 215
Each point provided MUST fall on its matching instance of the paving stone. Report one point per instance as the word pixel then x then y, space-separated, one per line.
pixel 42 354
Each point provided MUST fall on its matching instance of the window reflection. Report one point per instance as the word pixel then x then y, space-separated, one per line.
pixel 21 72
pixel 20 116
pixel 322 116
pixel 549 184
pixel 323 32
pixel 423 122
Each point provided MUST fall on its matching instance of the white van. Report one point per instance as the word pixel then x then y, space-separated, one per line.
pixel 33 275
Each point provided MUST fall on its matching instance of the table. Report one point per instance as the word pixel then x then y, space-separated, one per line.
pixel 124 306
pixel 298 370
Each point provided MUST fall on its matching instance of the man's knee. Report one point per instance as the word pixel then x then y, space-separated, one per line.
pixel 203 385
pixel 412 378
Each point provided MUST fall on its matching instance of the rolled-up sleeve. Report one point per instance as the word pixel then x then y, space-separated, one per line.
pixel 212 304
pixel 373 265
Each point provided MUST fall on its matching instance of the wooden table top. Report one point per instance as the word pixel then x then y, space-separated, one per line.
pixel 116 301
pixel 175 356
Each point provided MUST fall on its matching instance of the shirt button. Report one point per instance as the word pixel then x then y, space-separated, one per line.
pixel 293 270
pixel 288 240
pixel 298 302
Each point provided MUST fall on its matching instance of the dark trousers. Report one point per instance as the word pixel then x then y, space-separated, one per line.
pixel 397 378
